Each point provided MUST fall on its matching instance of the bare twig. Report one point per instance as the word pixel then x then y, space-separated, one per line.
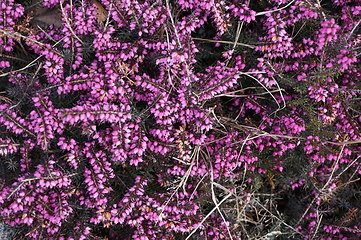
pixel 260 83
pixel 37 178
pixel 209 214
pixel 275 10
pixel 68 23
pixel 215 201
pixel 225 42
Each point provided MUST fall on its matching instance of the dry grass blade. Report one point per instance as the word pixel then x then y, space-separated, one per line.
pixel 209 214
pixel 225 42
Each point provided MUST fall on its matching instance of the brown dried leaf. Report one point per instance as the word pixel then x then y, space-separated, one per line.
pixel 102 14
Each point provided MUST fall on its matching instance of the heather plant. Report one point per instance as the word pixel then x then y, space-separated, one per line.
pixel 181 119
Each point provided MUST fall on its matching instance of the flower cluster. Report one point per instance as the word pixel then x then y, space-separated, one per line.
pixel 10 13
pixel 328 32
pixel 181 119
